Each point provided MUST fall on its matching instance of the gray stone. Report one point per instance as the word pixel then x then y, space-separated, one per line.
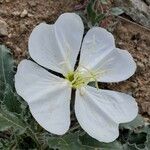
pixel 3 28
pixel 24 13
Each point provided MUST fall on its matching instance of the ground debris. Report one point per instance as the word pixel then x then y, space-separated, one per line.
pixel 138 10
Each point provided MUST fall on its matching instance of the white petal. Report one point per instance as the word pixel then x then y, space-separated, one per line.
pixel 69 31
pixel 93 120
pixel 48 96
pixel 100 111
pixel 121 107
pixel 99 54
pixel 57 46
pixel 97 43
pixel 44 49
pixel 117 66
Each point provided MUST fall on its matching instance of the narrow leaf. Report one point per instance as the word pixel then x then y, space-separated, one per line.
pixel 6 69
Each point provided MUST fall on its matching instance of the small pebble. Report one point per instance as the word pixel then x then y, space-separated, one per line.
pixel 24 13
pixel 16 13
pixel 134 84
pixel 1 1
pixel 22 28
pixel 141 65
pixel 10 35
pixel 3 28
pixel 30 15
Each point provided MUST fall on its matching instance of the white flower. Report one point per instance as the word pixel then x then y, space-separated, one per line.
pixel 56 47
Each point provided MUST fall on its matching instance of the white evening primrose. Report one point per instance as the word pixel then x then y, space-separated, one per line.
pixel 56 47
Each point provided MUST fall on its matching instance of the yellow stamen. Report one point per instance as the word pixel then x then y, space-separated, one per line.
pixel 77 79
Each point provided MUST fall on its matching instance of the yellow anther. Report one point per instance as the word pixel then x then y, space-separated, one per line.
pixel 77 79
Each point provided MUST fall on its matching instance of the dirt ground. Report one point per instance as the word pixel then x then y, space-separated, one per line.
pixel 23 15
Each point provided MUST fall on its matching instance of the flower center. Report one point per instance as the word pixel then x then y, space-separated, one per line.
pixel 78 79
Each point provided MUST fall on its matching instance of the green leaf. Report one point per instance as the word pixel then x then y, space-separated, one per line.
pixel 6 68
pixel 148 141
pixel 8 100
pixel 6 73
pixel 116 11
pixel 94 15
pixel 89 141
pixel 8 120
pixel 11 101
pixel 127 146
pixel 99 18
pixel 146 129
pixel 67 142
pixel 137 122
pixel 6 142
pixel 91 12
pixel 138 139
